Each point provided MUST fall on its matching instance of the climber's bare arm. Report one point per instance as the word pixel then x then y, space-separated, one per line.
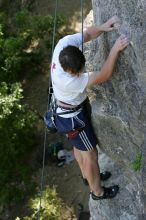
pixel 94 31
pixel 108 67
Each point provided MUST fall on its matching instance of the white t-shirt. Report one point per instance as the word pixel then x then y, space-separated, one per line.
pixel 68 88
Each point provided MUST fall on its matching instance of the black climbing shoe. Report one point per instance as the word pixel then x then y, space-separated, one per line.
pixel 103 177
pixel 108 193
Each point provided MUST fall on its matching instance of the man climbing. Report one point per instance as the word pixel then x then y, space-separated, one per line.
pixel 69 84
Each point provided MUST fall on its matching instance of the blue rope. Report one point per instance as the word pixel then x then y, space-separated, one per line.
pixel 49 98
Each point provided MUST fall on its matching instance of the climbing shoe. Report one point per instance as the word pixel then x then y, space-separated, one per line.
pixel 108 193
pixel 103 177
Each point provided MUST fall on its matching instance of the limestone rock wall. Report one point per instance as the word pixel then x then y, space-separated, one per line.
pixel 119 109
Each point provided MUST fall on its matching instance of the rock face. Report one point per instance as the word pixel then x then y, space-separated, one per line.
pixel 119 110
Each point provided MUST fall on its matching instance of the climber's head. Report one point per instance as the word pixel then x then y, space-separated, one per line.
pixel 72 60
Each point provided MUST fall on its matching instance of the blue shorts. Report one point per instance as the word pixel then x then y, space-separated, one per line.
pixel 79 129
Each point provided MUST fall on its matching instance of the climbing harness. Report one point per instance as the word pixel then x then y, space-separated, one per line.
pixel 50 116
pixel 51 107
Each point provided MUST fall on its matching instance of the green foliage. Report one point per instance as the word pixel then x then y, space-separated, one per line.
pixel 22 19
pixel 51 207
pixel 23 43
pixel 17 141
pixel 9 97
pixel 137 162
pixel 3 22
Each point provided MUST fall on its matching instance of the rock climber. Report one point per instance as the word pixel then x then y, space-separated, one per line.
pixel 70 81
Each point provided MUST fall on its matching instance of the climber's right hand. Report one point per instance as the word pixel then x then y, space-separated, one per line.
pixel 121 43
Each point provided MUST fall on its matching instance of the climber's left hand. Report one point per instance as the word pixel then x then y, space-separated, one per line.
pixel 109 24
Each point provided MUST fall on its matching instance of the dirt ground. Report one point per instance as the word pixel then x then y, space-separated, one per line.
pixel 67 178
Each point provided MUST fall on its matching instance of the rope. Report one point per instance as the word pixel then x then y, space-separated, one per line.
pixel 49 99
pixel 82 2
pixel 53 43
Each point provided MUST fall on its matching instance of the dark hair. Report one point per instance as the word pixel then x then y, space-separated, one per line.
pixel 72 59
